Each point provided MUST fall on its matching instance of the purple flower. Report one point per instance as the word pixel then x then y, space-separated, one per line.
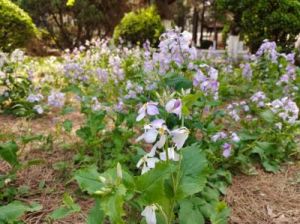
pixel 56 99
pixel 291 58
pixel 120 106
pixel 102 74
pixel 174 106
pixel 198 78
pixel 258 98
pixel 286 109
pixel 210 84
pixel 235 137
pixel 226 150
pixel 218 136
pixel 32 98
pixel 268 48
pixel 247 71
pixel 149 108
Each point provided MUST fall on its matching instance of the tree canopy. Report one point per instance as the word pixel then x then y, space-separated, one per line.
pixel 16 27
pixel 70 23
pixel 276 20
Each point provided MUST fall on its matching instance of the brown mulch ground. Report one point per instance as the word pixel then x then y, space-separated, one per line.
pixel 266 198
pixel 262 199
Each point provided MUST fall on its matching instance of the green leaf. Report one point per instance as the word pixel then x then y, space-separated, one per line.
pixel 62 212
pixel 88 179
pixel 268 116
pixel 68 125
pixel 29 138
pixel 96 215
pixel 15 210
pixel 193 172
pixel 67 209
pixel 178 82
pixel 151 184
pixel 221 214
pixel 8 152
pixel 189 212
pixel 112 205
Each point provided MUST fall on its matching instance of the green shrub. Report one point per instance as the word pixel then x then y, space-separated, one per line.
pixel 16 27
pixel 140 26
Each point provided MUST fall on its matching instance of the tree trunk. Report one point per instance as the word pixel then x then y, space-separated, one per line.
pixel 202 21
pixel 216 34
pixel 195 25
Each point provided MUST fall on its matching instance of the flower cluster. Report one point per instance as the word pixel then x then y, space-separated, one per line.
pixel 268 48
pixel 247 71
pixel 56 99
pixel 258 98
pixel 227 146
pixel 175 48
pixel 35 98
pixel 235 108
pixel 158 134
pixel 286 109
pixel 133 89
pixel 208 84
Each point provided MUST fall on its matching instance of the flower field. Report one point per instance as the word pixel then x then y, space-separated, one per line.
pixel 141 134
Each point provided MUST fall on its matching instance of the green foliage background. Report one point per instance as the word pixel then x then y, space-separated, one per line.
pixel 16 26
pixel 276 20
pixel 140 26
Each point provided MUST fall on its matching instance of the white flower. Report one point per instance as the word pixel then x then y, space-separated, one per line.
pixel 171 154
pixel 39 109
pixel 187 36
pixel 96 106
pixel 147 162
pixel 149 135
pixel 149 214
pixel 179 136
pixel 235 137
pixel 155 128
pixel 278 125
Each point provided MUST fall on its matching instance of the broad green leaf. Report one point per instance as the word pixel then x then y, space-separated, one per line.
pixel 189 212
pixel 112 205
pixel 88 179
pixel 8 152
pixel 210 194
pixel 96 215
pixel 178 82
pixel 268 116
pixel 63 212
pixel 151 184
pixel 67 209
pixel 15 210
pixel 193 172
pixel 221 214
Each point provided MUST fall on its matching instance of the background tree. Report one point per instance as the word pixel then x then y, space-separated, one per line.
pixel 16 27
pixel 276 20
pixel 70 25
pixel 139 26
